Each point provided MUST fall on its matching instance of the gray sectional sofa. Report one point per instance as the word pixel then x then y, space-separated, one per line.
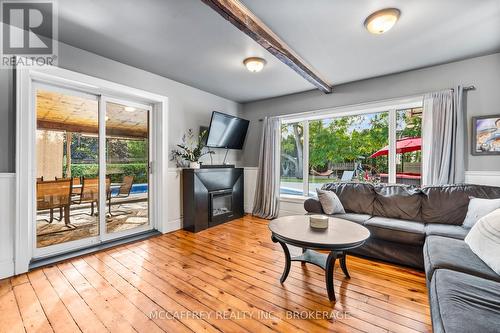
pixel 421 228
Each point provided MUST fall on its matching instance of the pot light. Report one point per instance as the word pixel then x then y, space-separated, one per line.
pixel 382 20
pixel 129 109
pixel 254 64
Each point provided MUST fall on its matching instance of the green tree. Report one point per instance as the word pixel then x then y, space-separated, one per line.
pixel 292 140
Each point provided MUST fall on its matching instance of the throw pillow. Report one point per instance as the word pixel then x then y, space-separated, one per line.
pixel 330 202
pixel 479 208
pixel 484 240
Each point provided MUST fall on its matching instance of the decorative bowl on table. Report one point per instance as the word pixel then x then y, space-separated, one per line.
pixel 318 221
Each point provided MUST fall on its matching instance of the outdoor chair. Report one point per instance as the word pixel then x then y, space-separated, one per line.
pixel 89 193
pixel 123 191
pixel 77 186
pixel 76 190
pixel 54 194
pixel 347 176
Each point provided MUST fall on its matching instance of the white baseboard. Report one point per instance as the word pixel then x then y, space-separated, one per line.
pixel 6 269
pixel 292 206
pixel 173 225
pixel 7 223
pixel 491 178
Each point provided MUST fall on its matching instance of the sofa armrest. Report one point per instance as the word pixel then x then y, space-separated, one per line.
pixel 312 205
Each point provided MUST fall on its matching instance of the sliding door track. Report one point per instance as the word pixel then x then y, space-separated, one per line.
pixel 94 248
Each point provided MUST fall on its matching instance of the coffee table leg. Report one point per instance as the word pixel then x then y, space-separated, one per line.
pixel 343 265
pixel 287 259
pixel 330 265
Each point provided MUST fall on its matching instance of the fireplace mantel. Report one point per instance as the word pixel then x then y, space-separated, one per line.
pixel 211 197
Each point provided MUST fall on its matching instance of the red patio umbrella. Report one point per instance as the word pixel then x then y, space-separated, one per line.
pixel 402 146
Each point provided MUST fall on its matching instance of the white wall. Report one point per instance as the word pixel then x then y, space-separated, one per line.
pixel 7 209
pixel 491 178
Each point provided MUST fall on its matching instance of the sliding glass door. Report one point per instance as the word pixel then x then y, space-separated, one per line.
pixel 92 169
pixel 127 166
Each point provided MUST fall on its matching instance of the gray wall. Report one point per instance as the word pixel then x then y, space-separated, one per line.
pixel 483 72
pixel 7 121
pixel 188 107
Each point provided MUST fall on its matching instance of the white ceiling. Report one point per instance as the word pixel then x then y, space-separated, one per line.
pixel 187 41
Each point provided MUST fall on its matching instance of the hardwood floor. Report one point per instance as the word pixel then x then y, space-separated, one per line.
pixel 222 279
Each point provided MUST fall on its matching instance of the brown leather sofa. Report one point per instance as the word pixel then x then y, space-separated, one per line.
pixel 400 217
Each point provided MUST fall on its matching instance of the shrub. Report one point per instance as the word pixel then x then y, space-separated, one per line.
pixel 115 171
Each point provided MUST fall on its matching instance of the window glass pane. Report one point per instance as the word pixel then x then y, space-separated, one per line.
pixel 409 153
pixel 127 169
pixel 292 143
pixel 67 168
pixel 346 149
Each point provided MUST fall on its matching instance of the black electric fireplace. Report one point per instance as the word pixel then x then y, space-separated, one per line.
pixel 221 206
pixel 211 197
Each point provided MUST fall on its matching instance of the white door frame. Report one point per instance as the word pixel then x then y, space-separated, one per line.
pixel 26 148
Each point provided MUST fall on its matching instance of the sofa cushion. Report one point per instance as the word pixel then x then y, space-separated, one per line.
pixel 398 202
pixel 464 303
pixel 330 202
pixel 484 240
pixel 446 230
pixel 454 254
pixel 355 197
pixel 312 205
pixel 397 253
pixel 477 209
pixel 358 218
pixel 448 204
pixel 394 230
pixel 444 204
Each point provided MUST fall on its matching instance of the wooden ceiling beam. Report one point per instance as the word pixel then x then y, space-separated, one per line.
pixel 242 18
pixel 85 129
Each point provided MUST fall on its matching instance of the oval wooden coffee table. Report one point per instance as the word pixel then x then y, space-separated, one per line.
pixel 340 236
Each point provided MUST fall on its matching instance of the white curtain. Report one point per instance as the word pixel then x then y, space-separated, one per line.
pixel 443 138
pixel 266 202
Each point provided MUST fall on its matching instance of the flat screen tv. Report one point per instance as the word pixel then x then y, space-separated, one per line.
pixel 226 131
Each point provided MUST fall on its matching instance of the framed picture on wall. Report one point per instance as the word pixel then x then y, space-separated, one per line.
pixel 486 135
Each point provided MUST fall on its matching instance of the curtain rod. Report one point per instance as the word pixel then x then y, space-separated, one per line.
pixel 465 88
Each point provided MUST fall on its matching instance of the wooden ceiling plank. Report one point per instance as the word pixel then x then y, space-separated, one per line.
pixel 242 18
pixel 118 132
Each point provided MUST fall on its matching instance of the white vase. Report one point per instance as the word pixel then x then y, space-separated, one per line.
pixel 194 165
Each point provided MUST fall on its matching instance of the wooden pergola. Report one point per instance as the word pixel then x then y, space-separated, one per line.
pixel 73 114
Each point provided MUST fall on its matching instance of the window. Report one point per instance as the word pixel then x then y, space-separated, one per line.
pixel 292 159
pixel 409 145
pixel 352 148
pixel 340 149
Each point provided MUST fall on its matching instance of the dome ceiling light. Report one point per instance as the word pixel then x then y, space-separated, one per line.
pixel 254 64
pixel 382 20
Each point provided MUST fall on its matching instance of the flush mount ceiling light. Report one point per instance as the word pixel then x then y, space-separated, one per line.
pixel 254 64
pixel 129 109
pixel 382 20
